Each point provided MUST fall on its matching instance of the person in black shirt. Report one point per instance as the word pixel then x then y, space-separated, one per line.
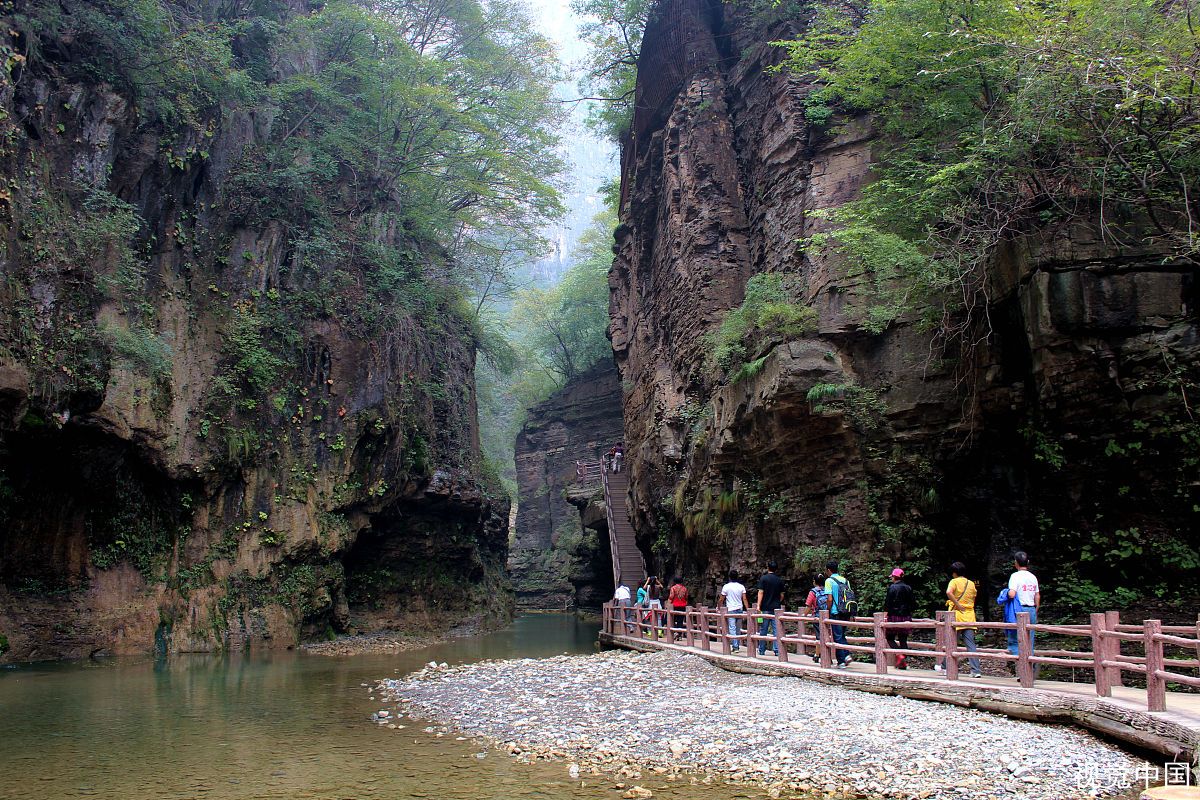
pixel 899 605
pixel 770 598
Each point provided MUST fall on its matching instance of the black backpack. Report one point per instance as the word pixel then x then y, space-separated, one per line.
pixel 848 600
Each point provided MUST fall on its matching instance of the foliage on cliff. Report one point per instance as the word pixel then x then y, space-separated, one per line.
pixel 768 315
pixel 998 118
pixel 404 150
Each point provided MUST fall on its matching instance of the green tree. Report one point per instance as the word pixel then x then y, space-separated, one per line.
pixel 441 111
pixel 613 30
pixel 563 329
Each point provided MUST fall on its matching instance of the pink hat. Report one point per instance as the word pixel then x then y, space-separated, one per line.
pixel 897 573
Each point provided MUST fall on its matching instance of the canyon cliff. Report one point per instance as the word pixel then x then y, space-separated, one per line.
pixel 560 557
pixel 1066 431
pixel 220 424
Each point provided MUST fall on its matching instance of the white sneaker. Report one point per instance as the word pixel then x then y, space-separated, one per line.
pixel 938 668
pixel 846 661
pixel 976 674
pixel 842 665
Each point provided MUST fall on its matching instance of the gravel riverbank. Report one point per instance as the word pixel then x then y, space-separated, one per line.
pixel 618 713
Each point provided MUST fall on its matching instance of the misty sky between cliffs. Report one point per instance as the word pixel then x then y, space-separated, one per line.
pixel 539 364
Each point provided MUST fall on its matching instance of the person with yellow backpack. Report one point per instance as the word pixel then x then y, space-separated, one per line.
pixel 960 598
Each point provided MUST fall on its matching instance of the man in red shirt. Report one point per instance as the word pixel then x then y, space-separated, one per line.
pixel 678 598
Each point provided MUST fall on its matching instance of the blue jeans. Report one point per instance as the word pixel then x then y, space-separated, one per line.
pixel 767 625
pixel 839 636
pixel 1012 634
pixel 734 631
pixel 627 614
pixel 968 637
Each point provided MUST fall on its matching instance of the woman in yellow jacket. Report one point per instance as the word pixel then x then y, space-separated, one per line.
pixel 960 598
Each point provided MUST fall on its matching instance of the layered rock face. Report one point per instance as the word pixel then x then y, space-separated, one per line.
pixel 560 556
pixel 1067 431
pixel 187 462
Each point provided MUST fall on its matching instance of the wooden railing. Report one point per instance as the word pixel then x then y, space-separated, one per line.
pixel 588 472
pixel 799 635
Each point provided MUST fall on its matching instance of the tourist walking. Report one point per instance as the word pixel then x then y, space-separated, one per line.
pixel 816 602
pixel 618 457
pixel 678 598
pixel 643 615
pixel 654 592
pixel 1023 587
pixel 624 601
pixel 838 589
pixel 960 598
pixel 770 598
pixel 733 595
pixel 899 604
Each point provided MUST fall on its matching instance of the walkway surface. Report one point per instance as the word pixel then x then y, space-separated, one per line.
pixel 1174 733
pixel 628 566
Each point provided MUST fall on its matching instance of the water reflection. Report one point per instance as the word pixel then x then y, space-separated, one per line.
pixel 266 726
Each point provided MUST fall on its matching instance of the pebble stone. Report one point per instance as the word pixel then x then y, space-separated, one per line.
pixel 674 714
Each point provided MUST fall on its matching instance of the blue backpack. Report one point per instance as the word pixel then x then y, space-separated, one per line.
pixel 823 599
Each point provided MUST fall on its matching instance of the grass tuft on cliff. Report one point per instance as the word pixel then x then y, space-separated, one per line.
pixel 768 315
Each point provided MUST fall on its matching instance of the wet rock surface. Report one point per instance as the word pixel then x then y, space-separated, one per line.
pixel 669 714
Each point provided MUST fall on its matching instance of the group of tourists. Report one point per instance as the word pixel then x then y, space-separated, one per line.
pixel 831 592
pixel 614 459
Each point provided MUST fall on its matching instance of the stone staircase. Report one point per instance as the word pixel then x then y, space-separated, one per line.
pixel 628 566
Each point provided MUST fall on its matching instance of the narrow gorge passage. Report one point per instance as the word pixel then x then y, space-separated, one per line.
pixel 356 357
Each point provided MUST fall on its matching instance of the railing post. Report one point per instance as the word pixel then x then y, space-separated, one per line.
pixel 1111 620
pixel 1156 685
pixel 1198 636
pixel 705 639
pixel 780 646
pixel 724 622
pixel 825 639
pixel 878 620
pixel 939 638
pixel 1024 665
pixel 1099 654
pixel 687 626
pixel 752 618
pixel 951 644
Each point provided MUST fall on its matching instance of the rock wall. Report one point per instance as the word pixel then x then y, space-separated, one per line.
pixel 1067 431
pixel 200 446
pixel 560 555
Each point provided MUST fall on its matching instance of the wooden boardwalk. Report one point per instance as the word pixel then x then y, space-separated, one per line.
pixel 1112 710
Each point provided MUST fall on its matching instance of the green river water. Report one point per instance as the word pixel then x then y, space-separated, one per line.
pixel 280 725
